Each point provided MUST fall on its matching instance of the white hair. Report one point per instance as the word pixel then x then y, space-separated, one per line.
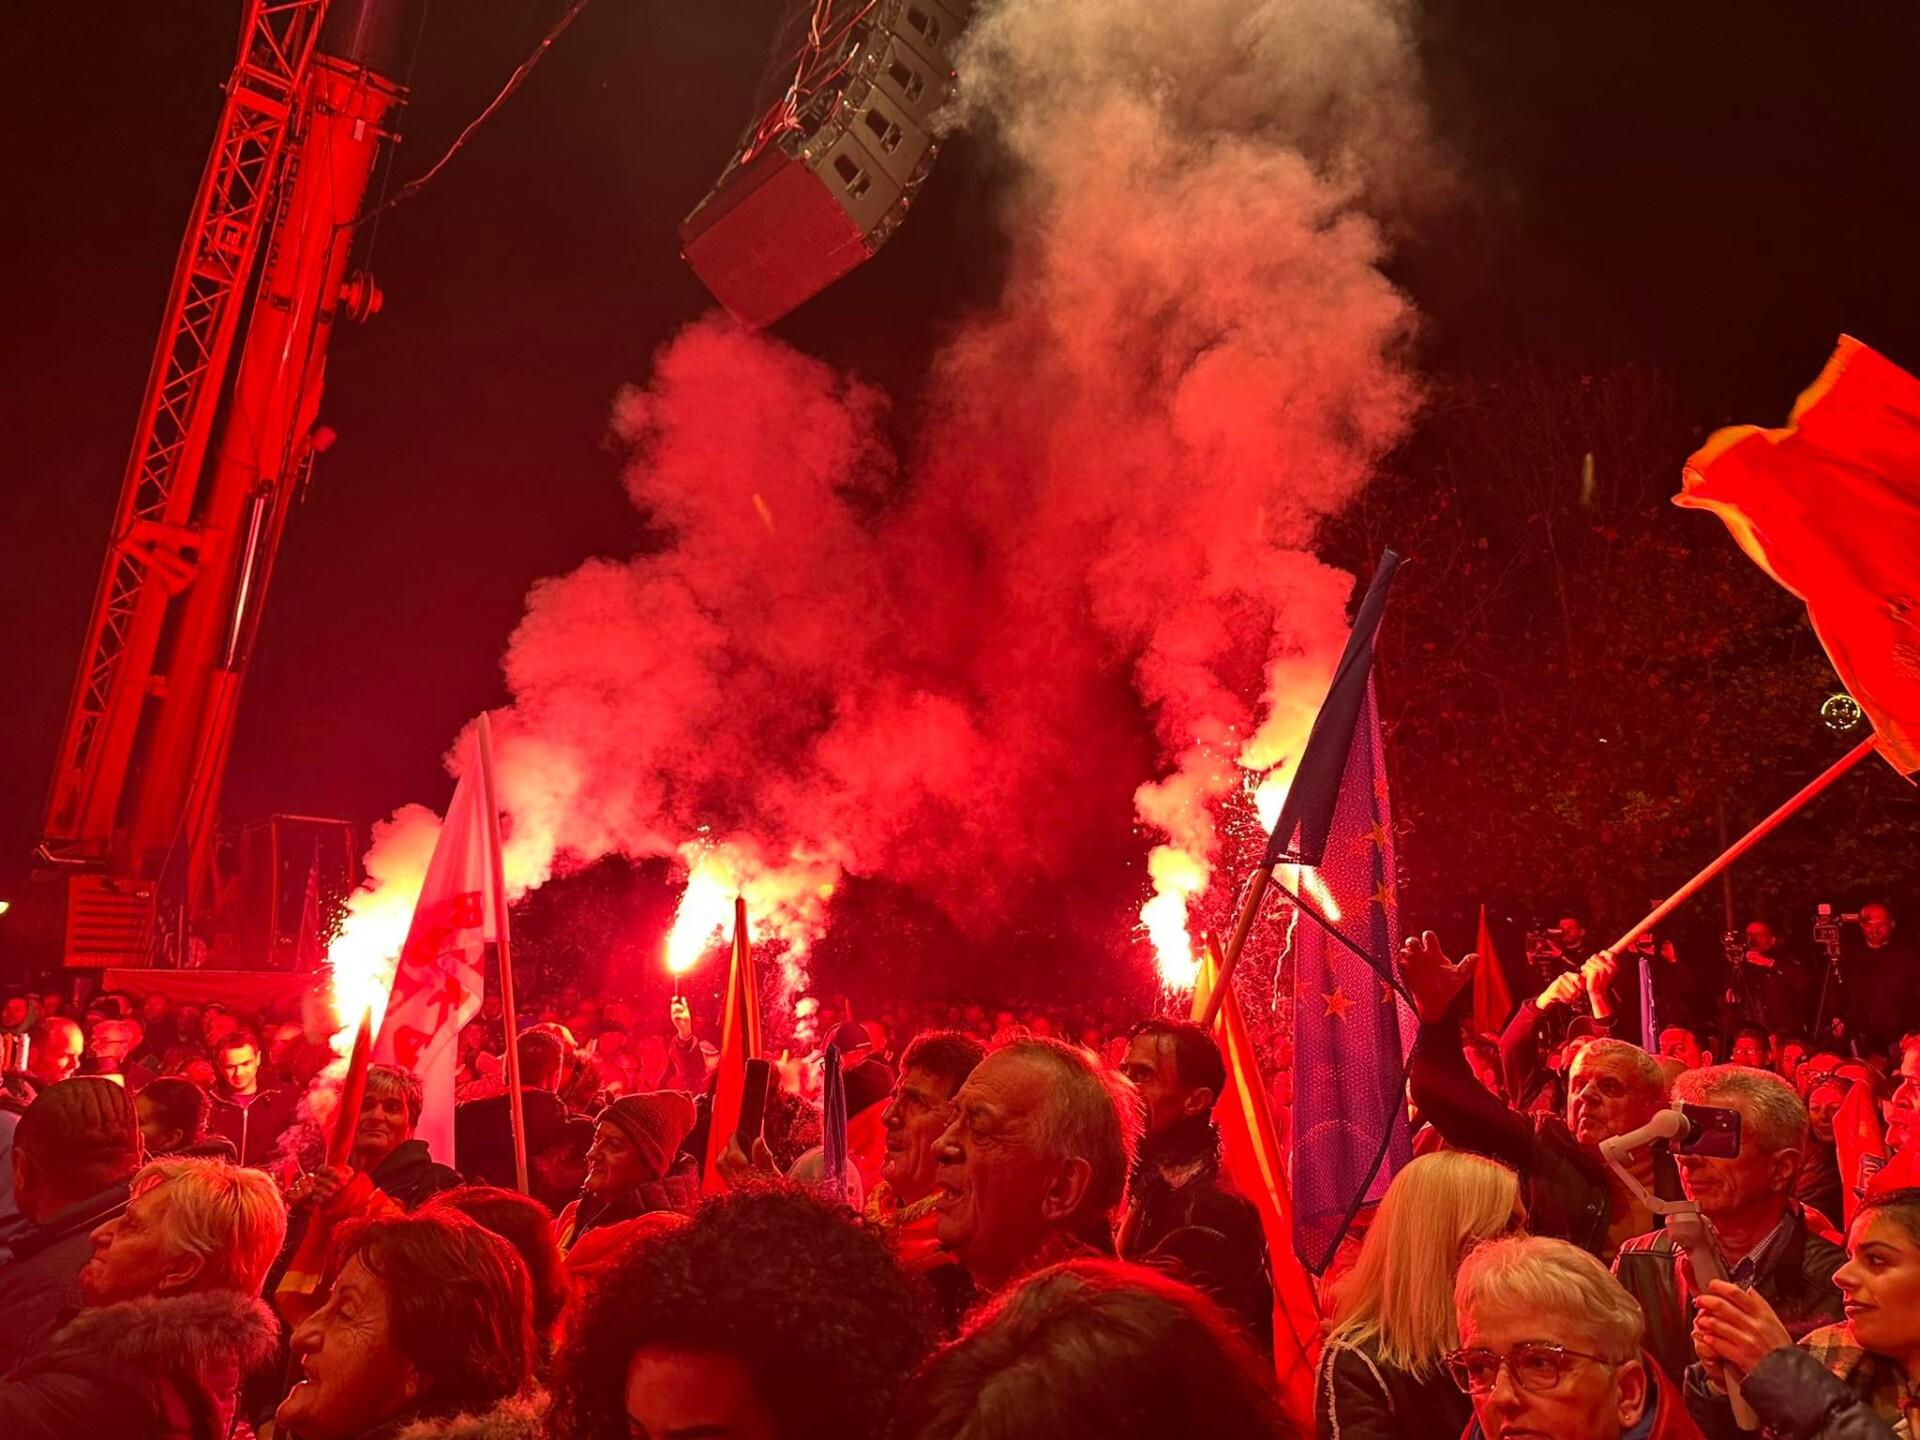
pixel 1555 1281
pixel 231 1217
pixel 1775 1114
pixel 1091 1113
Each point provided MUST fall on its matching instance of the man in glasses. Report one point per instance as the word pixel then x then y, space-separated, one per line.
pixel 1550 1350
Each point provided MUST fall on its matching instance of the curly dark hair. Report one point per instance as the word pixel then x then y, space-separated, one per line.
pixel 804 1295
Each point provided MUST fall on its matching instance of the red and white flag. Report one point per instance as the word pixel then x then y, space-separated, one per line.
pixel 437 986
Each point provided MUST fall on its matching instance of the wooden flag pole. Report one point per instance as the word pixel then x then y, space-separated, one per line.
pixel 516 1108
pixel 1242 927
pixel 1745 843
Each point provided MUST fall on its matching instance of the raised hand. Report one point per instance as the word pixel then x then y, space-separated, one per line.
pixel 1432 979
pixel 1598 974
pixel 1563 989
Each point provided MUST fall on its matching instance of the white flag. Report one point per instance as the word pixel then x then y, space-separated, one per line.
pixel 438 984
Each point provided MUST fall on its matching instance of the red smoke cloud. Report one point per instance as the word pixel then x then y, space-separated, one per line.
pixel 1090 574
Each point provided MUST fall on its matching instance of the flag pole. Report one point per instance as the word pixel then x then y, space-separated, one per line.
pixel 1242 927
pixel 516 1109
pixel 1745 843
pixel 353 1089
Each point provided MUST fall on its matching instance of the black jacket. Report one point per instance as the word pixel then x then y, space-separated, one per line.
pixel 483 1133
pixel 412 1176
pixel 1358 1396
pixel 160 1368
pixel 1798 1283
pixel 1183 1215
pixel 1797 1398
pixel 1568 1188
pixel 255 1128
pixel 41 1283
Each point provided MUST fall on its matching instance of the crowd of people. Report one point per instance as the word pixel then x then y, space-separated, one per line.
pixel 1024 1227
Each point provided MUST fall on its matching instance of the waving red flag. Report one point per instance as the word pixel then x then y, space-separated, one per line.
pixel 1251 1149
pixel 739 1043
pixel 1492 1000
pixel 1830 507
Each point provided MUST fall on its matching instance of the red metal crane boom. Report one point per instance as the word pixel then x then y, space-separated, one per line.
pixel 137 780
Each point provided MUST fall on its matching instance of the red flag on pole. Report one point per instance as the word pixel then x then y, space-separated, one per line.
pixel 1492 1000
pixel 1254 1157
pixel 1829 506
pixel 1860 1147
pixel 739 1043
pixel 437 984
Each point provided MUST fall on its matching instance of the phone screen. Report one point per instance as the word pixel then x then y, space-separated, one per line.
pixel 1711 1131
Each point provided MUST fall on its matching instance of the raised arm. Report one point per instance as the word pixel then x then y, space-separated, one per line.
pixel 1467 1116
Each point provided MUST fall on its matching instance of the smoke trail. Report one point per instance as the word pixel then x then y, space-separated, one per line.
pixel 1087 584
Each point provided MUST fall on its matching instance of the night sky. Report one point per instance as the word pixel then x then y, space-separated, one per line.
pixel 1714 190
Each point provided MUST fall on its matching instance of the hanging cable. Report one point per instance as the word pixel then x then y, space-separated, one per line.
pixel 514 82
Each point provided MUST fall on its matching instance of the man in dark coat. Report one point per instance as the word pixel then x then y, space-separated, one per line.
pixel 483 1129
pixel 172 1320
pixel 1182 1213
pixel 252 1116
pixel 75 1152
pixel 1748 1198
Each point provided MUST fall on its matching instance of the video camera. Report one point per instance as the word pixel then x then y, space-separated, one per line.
pixel 1826 929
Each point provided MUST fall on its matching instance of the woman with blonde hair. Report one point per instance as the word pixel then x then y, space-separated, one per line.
pixel 1382 1375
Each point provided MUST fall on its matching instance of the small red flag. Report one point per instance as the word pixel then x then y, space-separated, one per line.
pixel 1830 507
pixel 739 1043
pixel 1860 1146
pixel 1492 1000
pixel 1255 1160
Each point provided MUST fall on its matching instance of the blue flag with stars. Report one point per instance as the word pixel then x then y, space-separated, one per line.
pixel 1353 1028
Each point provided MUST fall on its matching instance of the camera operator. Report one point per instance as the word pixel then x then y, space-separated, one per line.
pixel 1770 983
pixel 1881 971
pixel 1761 1230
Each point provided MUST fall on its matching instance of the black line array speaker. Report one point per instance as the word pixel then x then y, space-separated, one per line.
pixel 840 142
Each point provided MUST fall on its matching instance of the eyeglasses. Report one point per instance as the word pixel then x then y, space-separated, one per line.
pixel 1535 1367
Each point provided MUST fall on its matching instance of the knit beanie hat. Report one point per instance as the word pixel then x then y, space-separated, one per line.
pixel 656 1121
pixel 87 1120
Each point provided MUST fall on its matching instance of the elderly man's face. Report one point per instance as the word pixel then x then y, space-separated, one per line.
pixel 1737 1185
pixel 349 1373
pixel 1592 1400
pixel 998 1197
pixel 59 1058
pixel 1605 1097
